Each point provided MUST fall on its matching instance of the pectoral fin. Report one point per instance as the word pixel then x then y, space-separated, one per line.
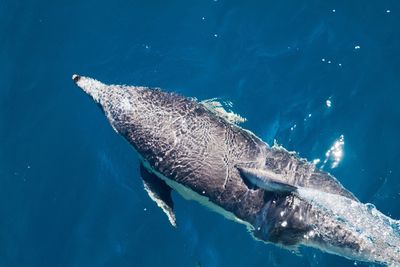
pixel 159 192
pixel 265 179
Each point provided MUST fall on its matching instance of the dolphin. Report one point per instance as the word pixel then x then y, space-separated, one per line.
pixel 201 152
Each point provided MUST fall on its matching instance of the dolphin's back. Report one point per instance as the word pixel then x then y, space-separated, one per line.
pixel 194 146
pixel 187 143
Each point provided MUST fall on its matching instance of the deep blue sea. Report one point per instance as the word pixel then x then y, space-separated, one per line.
pixel 308 74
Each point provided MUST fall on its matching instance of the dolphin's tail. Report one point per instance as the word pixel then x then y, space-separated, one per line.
pixel 352 229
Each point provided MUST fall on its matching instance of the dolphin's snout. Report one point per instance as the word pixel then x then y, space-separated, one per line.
pixel 90 86
pixel 76 77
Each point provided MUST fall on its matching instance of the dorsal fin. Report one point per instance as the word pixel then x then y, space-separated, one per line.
pixel 218 107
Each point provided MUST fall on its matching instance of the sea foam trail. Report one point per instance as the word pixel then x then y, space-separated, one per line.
pixel 379 235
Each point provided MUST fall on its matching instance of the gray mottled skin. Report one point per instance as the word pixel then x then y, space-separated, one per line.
pixel 188 144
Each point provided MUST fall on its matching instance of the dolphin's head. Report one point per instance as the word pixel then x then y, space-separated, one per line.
pixel 124 106
pixel 90 86
pixel 140 114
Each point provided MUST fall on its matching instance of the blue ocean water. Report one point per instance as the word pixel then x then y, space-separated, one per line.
pixel 304 73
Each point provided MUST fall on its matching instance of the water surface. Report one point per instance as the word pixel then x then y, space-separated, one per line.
pixel 308 74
